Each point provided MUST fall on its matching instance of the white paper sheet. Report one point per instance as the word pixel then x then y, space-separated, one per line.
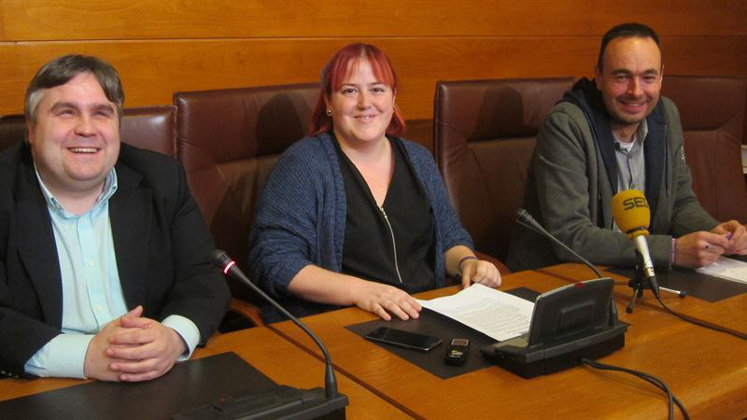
pixel 727 268
pixel 494 313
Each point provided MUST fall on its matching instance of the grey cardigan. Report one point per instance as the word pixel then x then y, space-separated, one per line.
pixel 300 219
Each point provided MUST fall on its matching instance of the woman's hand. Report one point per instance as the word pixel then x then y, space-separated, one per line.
pixel 384 300
pixel 479 271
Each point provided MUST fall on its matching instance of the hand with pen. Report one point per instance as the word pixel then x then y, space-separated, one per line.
pixel 699 249
pixel 736 235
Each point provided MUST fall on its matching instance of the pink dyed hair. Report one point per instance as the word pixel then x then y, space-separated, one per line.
pixel 335 72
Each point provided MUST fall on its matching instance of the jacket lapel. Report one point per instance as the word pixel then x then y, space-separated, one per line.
pixel 588 98
pixel 130 215
pixel 36 245
pixel 606 145
pixel 655 151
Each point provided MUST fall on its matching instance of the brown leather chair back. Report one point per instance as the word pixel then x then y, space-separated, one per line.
pixel 228 141
pixel 149 128
pixel 12 130
pixel 485 132
pixel 712 110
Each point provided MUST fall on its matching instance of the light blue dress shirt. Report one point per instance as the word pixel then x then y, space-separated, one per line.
pixel 91 292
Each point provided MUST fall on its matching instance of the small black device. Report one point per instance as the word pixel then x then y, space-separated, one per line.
pixel 403 338
pixel 456 353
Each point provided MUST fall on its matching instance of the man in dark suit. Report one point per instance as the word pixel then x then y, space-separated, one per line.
pixel 104 255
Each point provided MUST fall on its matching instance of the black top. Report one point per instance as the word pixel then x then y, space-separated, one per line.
pixel 405 223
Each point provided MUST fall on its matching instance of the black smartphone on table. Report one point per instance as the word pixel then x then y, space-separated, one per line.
pixel 404 339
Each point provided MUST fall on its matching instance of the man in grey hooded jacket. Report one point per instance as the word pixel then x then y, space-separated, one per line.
pixel 610 134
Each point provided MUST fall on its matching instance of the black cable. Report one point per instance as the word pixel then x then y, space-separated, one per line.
pixel 692 320
pixel 676 400
pixel 700 323
pixel 647 377
pixel 621 283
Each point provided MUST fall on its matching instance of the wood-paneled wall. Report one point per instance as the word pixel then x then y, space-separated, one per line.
pixel 163 46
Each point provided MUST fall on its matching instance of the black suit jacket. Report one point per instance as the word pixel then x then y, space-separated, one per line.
pixel 161 243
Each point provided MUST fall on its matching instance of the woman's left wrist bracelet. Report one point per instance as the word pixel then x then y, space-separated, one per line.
pixel 468 257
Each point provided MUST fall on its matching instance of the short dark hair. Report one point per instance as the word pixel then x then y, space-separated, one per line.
pixel 62 69
pixel 626 30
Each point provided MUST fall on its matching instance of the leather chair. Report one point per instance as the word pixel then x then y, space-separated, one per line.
pixel 229 141
pixel 12 130
pixel 146 127
pixel 151 128
pixel 712 110
pixel 485 132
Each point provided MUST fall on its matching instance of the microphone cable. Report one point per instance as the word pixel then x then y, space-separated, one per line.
pixel 695 321
pixel 672 399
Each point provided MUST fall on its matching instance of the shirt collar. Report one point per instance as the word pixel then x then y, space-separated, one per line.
pixel 110 187
pixel 640 136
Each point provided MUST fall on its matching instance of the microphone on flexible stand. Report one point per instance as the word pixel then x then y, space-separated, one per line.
pixel 333 398
pixel 229 268
pixel 527 220
pixel 632 215
pixel 569 324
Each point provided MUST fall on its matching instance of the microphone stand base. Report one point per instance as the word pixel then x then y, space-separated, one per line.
pixel 639 283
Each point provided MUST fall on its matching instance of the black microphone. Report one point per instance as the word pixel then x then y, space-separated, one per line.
pixel 229 268
pixel 527 220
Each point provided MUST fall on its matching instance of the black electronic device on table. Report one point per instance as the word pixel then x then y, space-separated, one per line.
pixel 285 402
pixel 404 339
pixel 568 323
pixel 223 386
pixel 457 351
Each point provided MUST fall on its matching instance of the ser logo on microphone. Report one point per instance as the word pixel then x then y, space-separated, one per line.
pixel 634 202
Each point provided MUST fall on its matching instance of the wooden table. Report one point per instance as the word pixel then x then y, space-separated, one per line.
pixel 274 356
pixel 706 370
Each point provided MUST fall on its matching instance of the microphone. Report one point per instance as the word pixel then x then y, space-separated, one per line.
pixel 527 220
pixel 633 216
pixel 229 268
